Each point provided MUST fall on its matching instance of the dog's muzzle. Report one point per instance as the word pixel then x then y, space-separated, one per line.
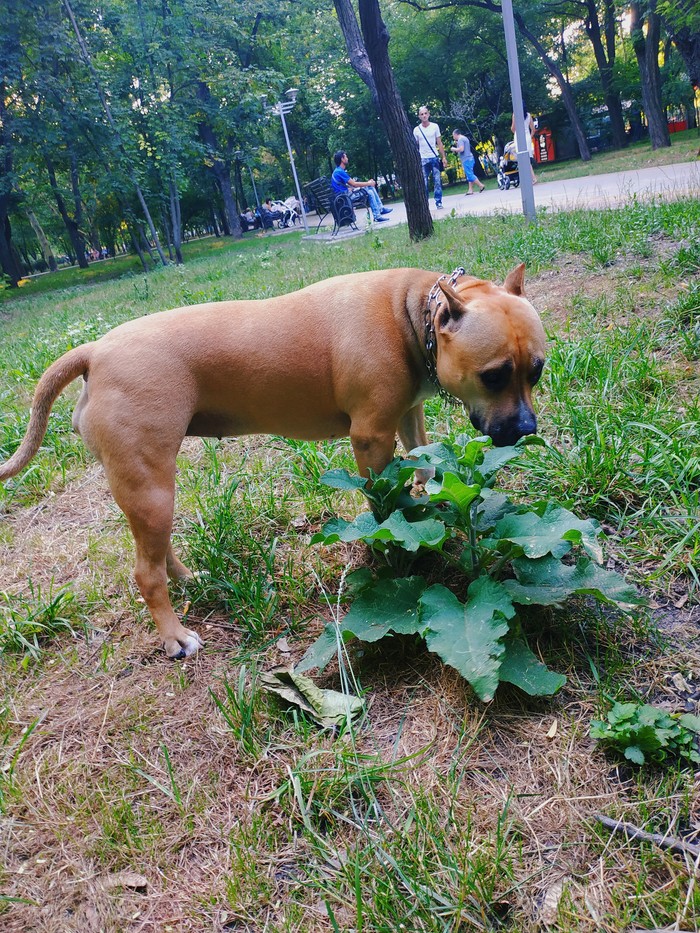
pixel 506 431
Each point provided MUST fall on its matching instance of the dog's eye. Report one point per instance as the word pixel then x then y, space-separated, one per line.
pixel 536 372
pixel 497 379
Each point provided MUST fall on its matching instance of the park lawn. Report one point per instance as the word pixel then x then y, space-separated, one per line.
pixel 684 148
pixel 137 794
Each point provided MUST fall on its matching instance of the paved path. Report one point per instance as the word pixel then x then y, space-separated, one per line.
pixel 592 191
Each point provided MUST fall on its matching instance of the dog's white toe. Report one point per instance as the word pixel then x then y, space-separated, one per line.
pixel 184 647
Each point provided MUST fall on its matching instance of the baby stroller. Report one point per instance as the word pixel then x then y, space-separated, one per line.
pixel 290 211
pixel 508 174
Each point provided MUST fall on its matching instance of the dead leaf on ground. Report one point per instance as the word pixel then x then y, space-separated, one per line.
pixel 124 879
pixel 328 707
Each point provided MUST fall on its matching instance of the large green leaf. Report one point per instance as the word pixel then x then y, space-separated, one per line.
pixel 341 479
pixel 497 457
pixel 519 666
pixel 386 606
pixel 468 637
pixel 388 487
pixel 441 455
pixel 338 529
pixel 491 510
pixel 396 529
pixel 552 532
pixel 428 533
pixel 323 650
pixel 548 582
pixel 452 489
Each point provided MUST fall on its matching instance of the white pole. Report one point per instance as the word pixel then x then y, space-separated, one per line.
pixel 280 110
pixel 527 191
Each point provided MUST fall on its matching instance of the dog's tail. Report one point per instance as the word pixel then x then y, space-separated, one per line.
pixel 52 383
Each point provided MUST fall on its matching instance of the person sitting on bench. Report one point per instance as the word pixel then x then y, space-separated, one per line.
pixel 360 192
pixel 248 220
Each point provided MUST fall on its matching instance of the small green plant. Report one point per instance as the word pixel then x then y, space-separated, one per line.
pixel 644 734
pixel 26 621
pixel 239 707
pixel 507 555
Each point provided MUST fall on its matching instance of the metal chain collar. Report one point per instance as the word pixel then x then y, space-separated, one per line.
pixel 430 339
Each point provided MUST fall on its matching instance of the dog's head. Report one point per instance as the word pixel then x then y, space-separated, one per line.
pixel 491 350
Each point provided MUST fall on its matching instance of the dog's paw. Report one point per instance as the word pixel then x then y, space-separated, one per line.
pixel 184 646
pixel 197 575
pixel 421 477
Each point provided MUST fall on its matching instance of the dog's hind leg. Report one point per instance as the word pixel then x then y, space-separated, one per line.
pixel 176 569
pixel 145 492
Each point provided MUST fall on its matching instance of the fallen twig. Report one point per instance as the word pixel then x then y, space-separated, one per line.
pixel 671 843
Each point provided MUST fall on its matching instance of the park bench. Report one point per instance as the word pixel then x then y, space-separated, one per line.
pixel 324 200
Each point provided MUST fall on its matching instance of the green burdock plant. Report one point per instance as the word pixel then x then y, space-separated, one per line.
pixel 645 734
pixel 509 555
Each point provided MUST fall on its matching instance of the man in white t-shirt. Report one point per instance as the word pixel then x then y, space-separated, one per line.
pixel 432 153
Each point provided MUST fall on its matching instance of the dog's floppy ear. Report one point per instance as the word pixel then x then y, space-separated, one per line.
pixel 452 310
pixel 515 280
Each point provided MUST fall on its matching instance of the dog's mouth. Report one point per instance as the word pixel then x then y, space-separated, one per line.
pixel 504 432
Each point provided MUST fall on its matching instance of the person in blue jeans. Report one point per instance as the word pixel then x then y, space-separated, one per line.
pixel 463 149
pixel 432 153
pixel 360 192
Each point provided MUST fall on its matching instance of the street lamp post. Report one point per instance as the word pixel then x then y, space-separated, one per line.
pixel 281 108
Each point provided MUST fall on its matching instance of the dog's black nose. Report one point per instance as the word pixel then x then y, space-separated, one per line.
pixel 506 432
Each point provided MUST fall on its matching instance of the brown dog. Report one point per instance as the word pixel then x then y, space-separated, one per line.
pixel 355 355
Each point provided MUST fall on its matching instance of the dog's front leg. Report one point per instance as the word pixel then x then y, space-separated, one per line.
pixel 373 445
pixel 412 434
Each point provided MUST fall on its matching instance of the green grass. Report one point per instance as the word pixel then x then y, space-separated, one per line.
pixel 433 812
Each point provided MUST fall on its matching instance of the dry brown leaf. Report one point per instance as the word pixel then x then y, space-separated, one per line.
pixel 124 879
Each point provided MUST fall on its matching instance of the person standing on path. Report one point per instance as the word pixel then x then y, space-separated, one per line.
pixel 464 150
pixel 429 142
pixel 529 133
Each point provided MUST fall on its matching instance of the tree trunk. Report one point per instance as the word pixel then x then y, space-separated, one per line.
pixel 646 48
pixel 176 221
pixel 137 249
pixel 220 168
pixel 74 234
pixel 564 86
pixel 145 245
pixel 77 199
pixel 238 187
pixel 10 76
pixel 230 220
pixel 8 255
pixel 688 44
pixel 606 67
pixel 46 250
pixel 393 115
pixel 357 52
pixel 165 224
pixel 115 129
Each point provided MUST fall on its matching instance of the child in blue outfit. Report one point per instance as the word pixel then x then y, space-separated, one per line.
pixel 361 192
